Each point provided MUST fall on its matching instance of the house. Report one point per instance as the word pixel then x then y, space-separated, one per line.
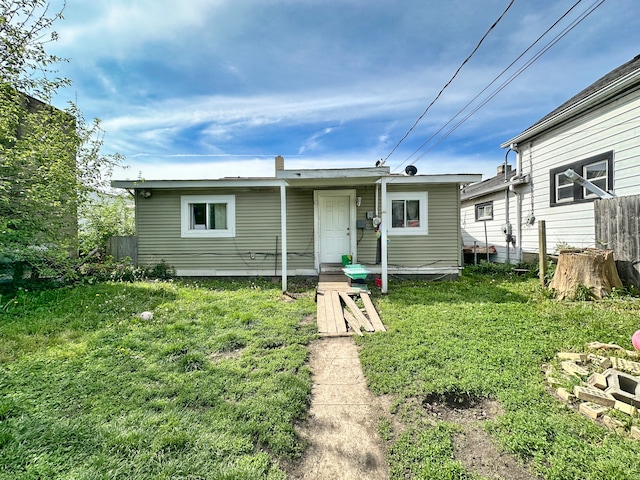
pixel 302 222
pixel 595 135
pixel 484 214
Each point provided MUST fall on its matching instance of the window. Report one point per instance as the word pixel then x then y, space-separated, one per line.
pixel 407 213
pixel 484 211
pixel 596 173
pixel 208 216
pixel 598 170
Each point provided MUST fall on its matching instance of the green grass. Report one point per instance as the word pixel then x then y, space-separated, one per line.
pixel 489 337
pixel 210 388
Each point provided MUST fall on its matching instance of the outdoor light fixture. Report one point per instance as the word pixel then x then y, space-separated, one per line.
pixel 358 201
pixel 144 193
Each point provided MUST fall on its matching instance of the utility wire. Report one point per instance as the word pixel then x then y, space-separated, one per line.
pixel 555 40
pixel 451 79
pixel 489 85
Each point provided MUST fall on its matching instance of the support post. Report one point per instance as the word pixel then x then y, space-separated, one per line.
pixel 383 239
pixel 542 251
pixel 283 224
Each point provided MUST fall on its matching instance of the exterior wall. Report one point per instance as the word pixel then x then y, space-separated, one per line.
pixel 300 238
pixel 613 127
pixel 367 241
pixel 252 250
pixel 440 248
pixel 473 230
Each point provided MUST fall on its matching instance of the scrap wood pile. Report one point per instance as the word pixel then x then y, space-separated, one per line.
pixel 609 391
pixel 338 312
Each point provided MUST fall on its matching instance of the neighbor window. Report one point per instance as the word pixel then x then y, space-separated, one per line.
pixel 598 170
pixel 407 213
pixel 208 215
pixel 484 211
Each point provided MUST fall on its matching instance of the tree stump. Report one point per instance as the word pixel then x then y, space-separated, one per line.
pixel 585 272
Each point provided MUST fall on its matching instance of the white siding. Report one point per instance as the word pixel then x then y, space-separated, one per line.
pixel 473 230
pixel 614 127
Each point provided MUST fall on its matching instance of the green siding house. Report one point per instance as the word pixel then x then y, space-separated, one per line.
pixel 302 222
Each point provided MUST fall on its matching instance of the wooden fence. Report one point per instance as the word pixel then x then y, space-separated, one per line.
pixel 617 227
pixel 121 247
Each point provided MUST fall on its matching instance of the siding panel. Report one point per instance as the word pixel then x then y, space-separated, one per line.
pixel 612 127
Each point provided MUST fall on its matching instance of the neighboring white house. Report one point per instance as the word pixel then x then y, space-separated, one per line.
pixel 595 134
pixel 484 216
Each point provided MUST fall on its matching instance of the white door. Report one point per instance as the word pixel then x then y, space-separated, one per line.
pixel 334 218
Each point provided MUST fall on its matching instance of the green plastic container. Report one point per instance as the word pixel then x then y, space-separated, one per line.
pixel 355 272
pixel 346 260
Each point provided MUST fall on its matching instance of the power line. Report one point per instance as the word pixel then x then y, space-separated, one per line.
pixel 451 79
pixel 489 85
pixel 555 40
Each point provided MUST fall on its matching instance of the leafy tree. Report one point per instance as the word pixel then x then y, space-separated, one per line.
pixel 50 159
pixel 102 217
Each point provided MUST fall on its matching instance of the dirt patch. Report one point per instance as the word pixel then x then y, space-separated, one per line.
pixel 232 354
pixel 473 447
pixel 461 409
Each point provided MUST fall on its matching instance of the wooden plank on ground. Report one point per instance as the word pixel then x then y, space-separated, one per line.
pixel 338 312
pixel 351 305
pixel 338 286
pixel 372 313
pixel 353 323
pixel 322 313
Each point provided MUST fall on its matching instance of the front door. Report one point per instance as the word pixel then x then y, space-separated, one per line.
pixel 334 218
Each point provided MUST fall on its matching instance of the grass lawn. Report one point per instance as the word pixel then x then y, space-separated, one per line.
pixel 211 387
pixel 489 337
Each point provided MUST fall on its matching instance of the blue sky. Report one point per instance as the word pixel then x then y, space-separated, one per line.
pixel 213 88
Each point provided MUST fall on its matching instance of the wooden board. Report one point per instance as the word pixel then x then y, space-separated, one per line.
pixel 353 323
pixel 338 313
pixel 372 313
pixel 322 313
pixel 351 305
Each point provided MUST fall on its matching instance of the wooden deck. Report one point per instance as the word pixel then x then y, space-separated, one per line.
pixel 338 310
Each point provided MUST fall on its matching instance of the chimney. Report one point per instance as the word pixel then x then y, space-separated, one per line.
pixel 279 164
pixel 501 169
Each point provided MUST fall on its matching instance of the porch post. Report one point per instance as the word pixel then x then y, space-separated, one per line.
pixel 283 234
pixel 383 231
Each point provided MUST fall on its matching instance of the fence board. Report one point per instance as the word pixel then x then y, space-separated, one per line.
pixel 617 228
pixel 121 247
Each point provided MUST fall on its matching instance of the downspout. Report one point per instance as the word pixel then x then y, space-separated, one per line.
pixel 518 204
pixel 507 226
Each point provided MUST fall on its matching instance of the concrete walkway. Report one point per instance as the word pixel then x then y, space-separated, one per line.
pixel 341 430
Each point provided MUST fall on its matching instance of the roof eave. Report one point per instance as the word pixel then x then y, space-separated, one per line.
pixel 515 182
pixel 172 184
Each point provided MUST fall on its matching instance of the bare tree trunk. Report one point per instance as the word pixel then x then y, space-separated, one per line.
pixel 590 272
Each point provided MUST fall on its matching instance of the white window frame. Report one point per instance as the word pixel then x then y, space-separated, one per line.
pixel 587 193
pixel 567 185
pixel 481 209
pixel 185 212
pixel 423 198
